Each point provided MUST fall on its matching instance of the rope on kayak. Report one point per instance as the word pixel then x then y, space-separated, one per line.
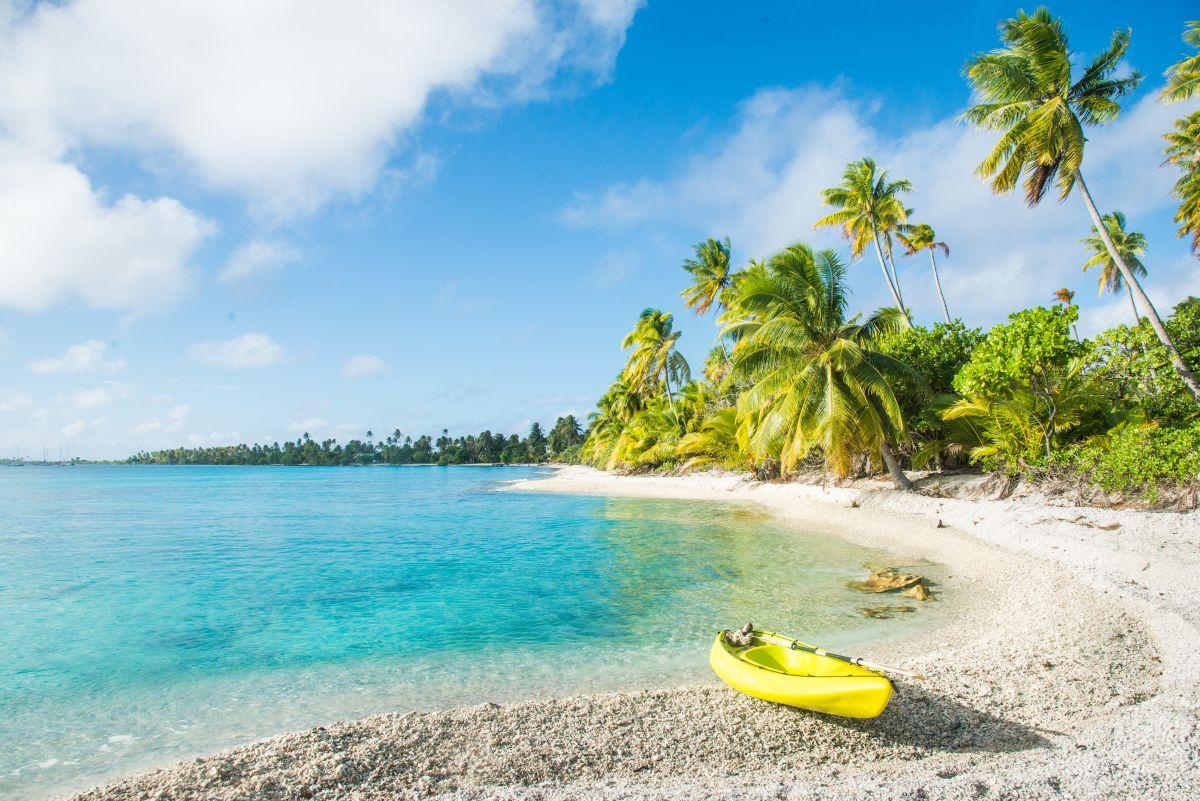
pixel 853 660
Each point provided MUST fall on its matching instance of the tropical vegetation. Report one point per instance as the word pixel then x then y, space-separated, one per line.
pixel 562 444
pixel 796 382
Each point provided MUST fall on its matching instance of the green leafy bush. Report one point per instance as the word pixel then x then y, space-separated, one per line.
pixel 937 354
pixel 1022 353
pixel 1141 459
pixel 1132 369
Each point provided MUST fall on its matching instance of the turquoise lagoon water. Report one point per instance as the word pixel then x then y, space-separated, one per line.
pixel 149 614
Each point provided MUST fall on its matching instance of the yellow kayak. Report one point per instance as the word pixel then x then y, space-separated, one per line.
pixel 772 669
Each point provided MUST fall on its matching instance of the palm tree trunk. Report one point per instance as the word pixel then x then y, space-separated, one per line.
pixel 670 398
pixel 893 467
pixel 1181 367
pixel 1137 318
pixel 895 274
pixel 887 276
pixel 937 283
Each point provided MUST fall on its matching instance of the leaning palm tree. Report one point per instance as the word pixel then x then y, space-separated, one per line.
pixel 816 378
pixel 1029 93
pixel 1130 244
pixel 710 275
pixel 1183 151
pixel 921 237
pixel 1183 79
pixel 654 361
pixel 868 209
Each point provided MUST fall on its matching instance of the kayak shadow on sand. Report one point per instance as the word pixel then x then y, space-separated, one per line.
pixel 925 719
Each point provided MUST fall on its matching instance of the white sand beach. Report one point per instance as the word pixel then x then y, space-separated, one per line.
pixel 1070 669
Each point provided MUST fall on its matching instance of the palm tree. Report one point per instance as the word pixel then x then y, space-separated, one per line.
pixel 1183 79
pixel 716 365
pixel 869 208
pixel 1014 428
pixel 710 275
pixel 1066 297
pixel 1183 150
pixel 816 378
pixel 654 357
pixel 1028 93
pixel 714 443
pixel 922 237
pixel 605 425
pixel 1130 244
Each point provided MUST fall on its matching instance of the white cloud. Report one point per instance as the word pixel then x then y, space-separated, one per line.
pixel 100 396
pixel 84 357
pixel 65 240
pixel 170 422
pixel 215 438
pixel 257 259
pixel 74 428
pixel 364 365
pixel 309 425
pixel 15 401
pixel 90 398
pixel 248 350
pixel 787 145
pixel 285 103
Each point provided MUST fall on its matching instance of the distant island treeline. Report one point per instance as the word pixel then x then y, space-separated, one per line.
pixel 562 444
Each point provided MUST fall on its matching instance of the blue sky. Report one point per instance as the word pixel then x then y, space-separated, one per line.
pixel 240 221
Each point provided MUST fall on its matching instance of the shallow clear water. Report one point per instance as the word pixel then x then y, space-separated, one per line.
pixel 149 614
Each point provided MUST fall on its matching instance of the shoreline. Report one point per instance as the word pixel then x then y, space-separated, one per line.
pixel 1070 667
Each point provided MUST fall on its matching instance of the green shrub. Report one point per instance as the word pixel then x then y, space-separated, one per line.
pixel 1024 353
pixel 937 354
pixel 570 455
pixel 1133 370
pixel 1142 459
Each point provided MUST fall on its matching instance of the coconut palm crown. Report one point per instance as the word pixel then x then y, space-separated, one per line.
pixel 816 379
pixel 1183 79
pixel 710 275
pixel 1029 93
pixel 1130 244
pixel 922 237
pixel 869 210
pixel 1183 151
pixel 653 361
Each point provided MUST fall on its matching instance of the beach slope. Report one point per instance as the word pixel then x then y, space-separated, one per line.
pixel 1070 668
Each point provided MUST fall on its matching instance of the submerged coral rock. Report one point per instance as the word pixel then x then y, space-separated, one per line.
pixel 886 612
pixel 918 591
pixel 887 580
